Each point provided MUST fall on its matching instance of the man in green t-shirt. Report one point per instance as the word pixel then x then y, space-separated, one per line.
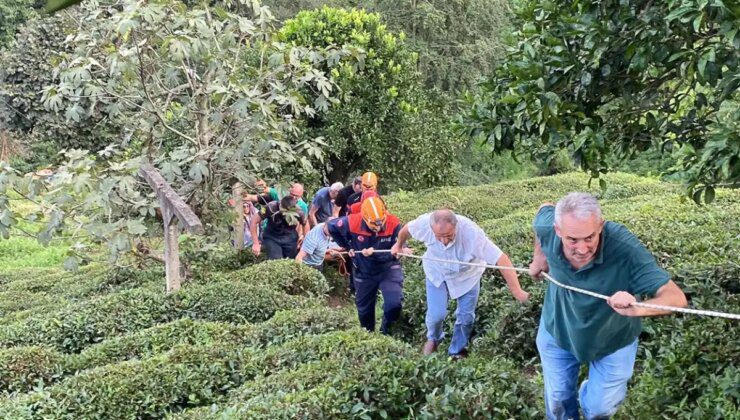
pixel 577 247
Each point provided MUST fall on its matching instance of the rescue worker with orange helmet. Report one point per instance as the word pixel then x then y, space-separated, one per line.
pixel 357 207
pixel 374 228
pixel 369 182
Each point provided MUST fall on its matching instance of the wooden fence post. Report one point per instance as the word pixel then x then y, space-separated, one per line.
pixel 174 212
pixel 237 190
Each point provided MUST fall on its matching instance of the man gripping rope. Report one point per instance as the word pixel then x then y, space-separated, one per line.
pixel 363 233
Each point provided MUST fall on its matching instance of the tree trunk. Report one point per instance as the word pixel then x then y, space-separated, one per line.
pixel 239 222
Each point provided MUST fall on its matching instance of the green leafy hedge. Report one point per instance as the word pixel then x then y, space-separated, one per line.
pixel 31 289
pixel 688 369
pixel 56 281
pixel 293 323
pixel 79 325
pixel 489 202
pixel 503 326
pixel 205 260
pixel 156 340
pixel 259 342
pixel 184 377
pixel 22 368
pixel 360 375
pixel 290 276
pixel 686 364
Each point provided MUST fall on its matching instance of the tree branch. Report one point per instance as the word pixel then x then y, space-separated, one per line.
pixel 149 98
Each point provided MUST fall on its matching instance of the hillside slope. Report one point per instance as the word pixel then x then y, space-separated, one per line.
pixel 258 340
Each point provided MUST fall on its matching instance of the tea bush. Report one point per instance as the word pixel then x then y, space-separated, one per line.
pixel 502 327
pixel 256 340
pixel 50 288
pixel 495 201
pixel 386 380
pixel 697 245
pixel 290 276
pixel 22 368
pixel 184 377
pixel 156 340
pixel 79 325
pixel 204 261
pixel 688 366
pixel 293 323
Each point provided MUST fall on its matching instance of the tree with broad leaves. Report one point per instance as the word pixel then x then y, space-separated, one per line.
pixel 382 119
pixel 205 95
pixel 614 78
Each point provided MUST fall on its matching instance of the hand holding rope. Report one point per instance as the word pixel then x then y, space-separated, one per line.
pixel 571 288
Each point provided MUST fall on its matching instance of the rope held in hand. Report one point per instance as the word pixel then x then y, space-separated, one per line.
pixel 571 288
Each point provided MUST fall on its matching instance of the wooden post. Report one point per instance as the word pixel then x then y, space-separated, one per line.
pixel 172 255
pixel 237 190
pixel 174 213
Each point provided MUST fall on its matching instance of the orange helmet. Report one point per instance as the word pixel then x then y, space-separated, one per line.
pixel 369 181
pixel 367 194
pixel 374 213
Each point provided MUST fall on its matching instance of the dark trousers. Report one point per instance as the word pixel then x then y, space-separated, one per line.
pixel 351 275
pixel 390 284
pixel 280 246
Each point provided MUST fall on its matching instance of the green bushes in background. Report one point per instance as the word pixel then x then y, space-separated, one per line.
pixel 258 341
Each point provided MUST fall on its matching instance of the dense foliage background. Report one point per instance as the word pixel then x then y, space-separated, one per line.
pixel 460 103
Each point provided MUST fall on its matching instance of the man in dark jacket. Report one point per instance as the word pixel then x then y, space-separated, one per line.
pixel 363 233
pixel 285 223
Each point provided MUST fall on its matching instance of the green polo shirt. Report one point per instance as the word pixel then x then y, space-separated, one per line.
pixel 586 326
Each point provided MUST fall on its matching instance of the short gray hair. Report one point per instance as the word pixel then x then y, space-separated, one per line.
pixel 336 186
pixel 443 216
pixel 581 205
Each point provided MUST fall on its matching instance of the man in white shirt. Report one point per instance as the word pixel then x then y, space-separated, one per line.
pixel 451 237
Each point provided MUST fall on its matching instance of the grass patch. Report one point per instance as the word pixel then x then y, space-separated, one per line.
pixel 19 252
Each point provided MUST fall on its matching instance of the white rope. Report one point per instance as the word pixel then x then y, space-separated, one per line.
pixel 572 288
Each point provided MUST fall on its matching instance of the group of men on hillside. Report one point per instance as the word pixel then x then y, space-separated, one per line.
pixel 572 243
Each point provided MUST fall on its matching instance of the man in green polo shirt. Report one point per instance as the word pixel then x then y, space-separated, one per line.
pixel 578 248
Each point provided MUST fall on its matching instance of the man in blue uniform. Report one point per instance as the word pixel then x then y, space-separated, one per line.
pixel 363 233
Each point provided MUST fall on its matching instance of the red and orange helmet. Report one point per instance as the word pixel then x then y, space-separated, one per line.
pixel 374 213
pixel 369 181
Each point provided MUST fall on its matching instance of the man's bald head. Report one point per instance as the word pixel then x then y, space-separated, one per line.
pixel 296 190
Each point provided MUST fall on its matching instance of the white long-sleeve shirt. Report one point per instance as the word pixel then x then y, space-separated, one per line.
pixel 470 245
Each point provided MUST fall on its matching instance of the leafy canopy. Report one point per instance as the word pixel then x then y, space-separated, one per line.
pixel 619 77
pixel 382 119
pixel 204 94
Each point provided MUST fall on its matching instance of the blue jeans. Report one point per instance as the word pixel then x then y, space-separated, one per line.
pixel 437 298
pixel 600 395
